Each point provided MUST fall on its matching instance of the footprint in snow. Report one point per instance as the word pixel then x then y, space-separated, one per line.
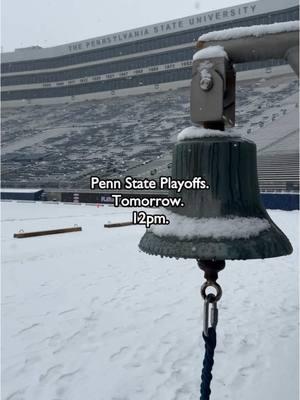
pixel 244 346
pixel 67 311
pixel 68 375
pixel 51 372
pixel 93 300
pixel 17 395
pixel 166 315
pixel 120 353
pixel 133 364
pixel 28 328
pixel 54 340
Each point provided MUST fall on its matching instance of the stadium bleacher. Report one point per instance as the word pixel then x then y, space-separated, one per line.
pixel 60 146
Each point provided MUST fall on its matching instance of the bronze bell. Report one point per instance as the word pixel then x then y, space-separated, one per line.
pixel 225 221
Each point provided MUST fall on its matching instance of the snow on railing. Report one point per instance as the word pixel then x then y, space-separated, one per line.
pixel 255 30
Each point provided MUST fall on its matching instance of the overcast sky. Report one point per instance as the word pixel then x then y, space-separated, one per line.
pixel 53 22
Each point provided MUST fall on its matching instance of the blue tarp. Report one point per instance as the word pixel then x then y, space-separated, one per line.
pixel 21 194
pixel 281 201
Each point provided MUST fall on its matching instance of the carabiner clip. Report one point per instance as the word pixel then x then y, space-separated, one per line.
pixel 210 299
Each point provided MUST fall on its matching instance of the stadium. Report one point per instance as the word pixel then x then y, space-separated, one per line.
pixel 114 119
pixel 143 60
pixel 86 313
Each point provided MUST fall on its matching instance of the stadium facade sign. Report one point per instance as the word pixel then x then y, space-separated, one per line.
pixel 167 27
pixel 143 60
pixel 229 14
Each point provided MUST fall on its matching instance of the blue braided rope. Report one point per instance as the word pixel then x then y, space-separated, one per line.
pixel 208 362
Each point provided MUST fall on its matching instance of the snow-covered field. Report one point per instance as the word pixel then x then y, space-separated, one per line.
pixel 87 316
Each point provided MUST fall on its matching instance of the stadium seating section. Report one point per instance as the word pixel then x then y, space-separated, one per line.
pixel 60 146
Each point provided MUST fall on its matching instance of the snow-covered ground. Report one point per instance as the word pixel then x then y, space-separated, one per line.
pixel 87 316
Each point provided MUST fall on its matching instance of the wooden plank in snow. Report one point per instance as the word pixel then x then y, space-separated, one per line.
pixel 21 235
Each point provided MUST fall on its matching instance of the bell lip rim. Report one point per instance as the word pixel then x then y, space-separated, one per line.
pixel 286 250
pixel 215 138
pixel 215 258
